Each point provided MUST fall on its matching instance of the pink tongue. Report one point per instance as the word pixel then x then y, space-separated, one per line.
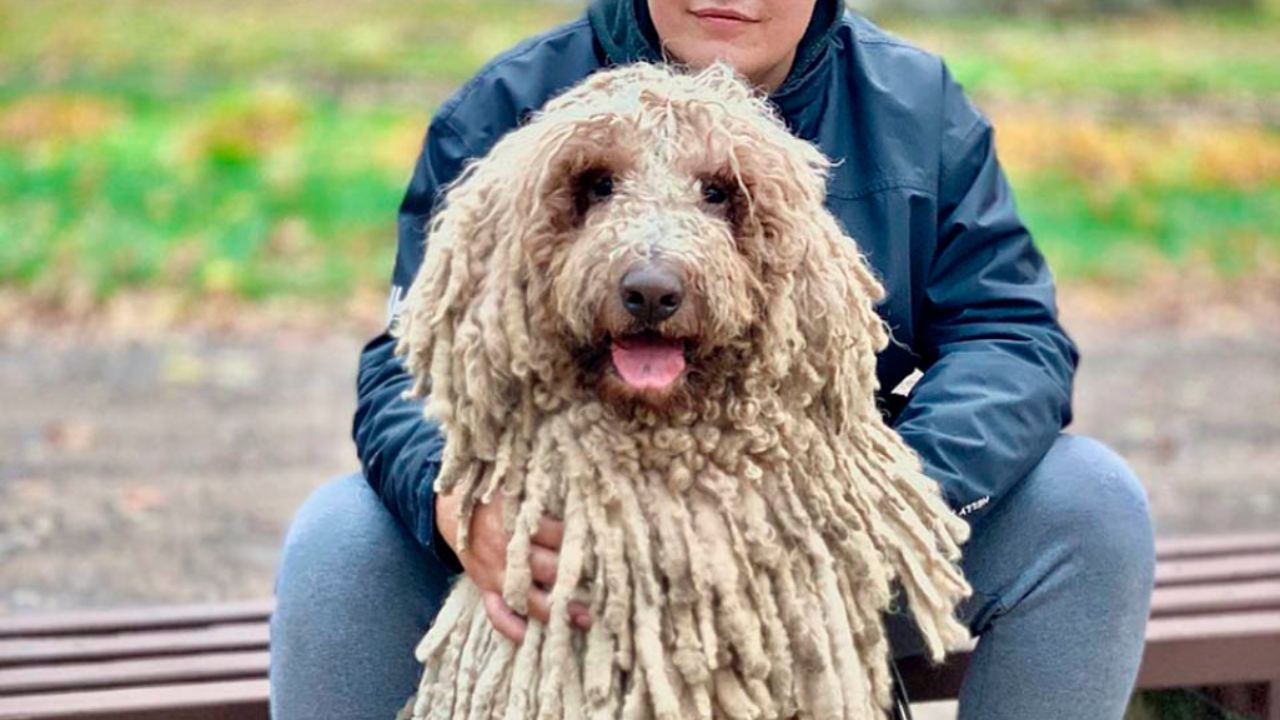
pixel 648 363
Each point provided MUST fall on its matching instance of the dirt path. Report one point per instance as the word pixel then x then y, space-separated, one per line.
pixel 166 469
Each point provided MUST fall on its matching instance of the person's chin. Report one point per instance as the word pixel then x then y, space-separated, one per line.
pixel 710 51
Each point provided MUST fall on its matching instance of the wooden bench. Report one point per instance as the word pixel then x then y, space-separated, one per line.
pixel 185 663
pixel 1215 622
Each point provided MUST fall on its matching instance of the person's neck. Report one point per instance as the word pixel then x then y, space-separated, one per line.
pixel 770 80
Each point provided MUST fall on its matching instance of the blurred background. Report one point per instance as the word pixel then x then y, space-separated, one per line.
pixel 197 208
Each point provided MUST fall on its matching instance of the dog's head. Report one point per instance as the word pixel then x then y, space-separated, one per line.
pixel 652 238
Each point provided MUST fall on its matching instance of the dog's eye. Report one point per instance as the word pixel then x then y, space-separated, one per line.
pixel 599 187
pixel 715 193
pixel 591 188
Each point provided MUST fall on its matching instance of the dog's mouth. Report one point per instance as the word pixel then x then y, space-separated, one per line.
pixel 647 361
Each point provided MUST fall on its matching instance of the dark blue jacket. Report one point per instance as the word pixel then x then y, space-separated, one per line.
pixel 970 300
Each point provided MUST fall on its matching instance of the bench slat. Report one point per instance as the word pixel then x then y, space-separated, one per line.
pixel 133 619
pixel 1225 597
pixel 1181 651
pixel 1230 648
pixel 236 700
pixel 203 667
pixel 1214 627
pixel 1218 570
pixel 233 636
pixel 1217 545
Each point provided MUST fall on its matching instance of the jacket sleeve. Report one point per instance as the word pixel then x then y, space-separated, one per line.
pixel 399 450
pixel 998 368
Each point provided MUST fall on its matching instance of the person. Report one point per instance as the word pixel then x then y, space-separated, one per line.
pixel 1061 557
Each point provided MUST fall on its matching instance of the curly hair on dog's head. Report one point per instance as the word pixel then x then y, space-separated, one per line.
pixel 634 171
pixel 636 313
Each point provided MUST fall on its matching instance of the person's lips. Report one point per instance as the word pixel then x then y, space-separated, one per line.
pixel 723 15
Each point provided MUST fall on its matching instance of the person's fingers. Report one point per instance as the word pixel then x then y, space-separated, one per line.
pixel 550 533
pixel 580 615
pixel 543 564
pixel 504 619
pixel 539 605
pixel 540 610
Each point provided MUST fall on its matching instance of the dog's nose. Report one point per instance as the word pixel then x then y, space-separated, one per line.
pixel 651 294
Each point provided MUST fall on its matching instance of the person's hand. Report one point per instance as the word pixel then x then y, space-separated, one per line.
pixel 485 562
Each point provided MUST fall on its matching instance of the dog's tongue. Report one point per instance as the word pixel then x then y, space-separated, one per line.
pixel 648 363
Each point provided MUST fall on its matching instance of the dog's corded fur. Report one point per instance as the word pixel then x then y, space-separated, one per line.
pixel 738 538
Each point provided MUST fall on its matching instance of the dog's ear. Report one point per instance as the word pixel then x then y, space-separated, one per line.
pixel 821 329
pixel 463 329
pixel 835 296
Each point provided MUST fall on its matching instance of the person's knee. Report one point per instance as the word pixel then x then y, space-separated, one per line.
pixel 342 535
pixel 329 511
pixel 353 595
pixel 1088 496
pixel 331 518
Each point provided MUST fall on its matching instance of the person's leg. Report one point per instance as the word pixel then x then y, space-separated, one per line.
pixel 354 596
pixel 1062 570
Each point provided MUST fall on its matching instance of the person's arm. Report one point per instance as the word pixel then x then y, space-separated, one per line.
pixel 399 451
pixel 996 389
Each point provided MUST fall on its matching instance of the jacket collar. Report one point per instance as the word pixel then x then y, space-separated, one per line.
pixel 625 34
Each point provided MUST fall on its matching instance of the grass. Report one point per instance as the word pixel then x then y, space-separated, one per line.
pixel 254 148
pixel 242 193
pixel 1196 56
pixel 1109 199
pixel 214 42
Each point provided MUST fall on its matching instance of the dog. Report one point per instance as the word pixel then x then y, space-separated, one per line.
pixel 635 314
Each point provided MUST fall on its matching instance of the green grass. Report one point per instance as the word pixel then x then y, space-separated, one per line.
pixel 231 146
pixel 1192 56
pixel 239 193
pixel 1135 229
pixel 252 147
pixel 170 43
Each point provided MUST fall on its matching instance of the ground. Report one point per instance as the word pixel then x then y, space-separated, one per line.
pixel 144 467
